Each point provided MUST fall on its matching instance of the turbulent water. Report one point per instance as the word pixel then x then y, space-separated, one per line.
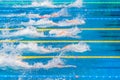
pixel 49 3
pixel 11 53
pixel 59 40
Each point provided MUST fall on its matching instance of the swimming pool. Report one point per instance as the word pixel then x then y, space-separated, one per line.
pixel 59 40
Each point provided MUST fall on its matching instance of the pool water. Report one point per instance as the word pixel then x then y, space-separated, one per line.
pixel 25 25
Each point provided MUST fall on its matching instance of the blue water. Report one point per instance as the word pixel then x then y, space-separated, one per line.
pixel 95 16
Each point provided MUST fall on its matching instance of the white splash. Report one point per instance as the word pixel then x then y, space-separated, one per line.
pixel 12 59
pixel 50 4
pixel 33 47
pixel 47 23
pixel 32 32
pixel 43 3
pixel 31 15
pixel 62 12
pixel 65 32
pixel 29 32
pixel 77 3
pixel 54 63
pixel 41 22
pixel 14 62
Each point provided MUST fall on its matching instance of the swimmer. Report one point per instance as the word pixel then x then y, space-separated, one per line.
pixel 66 32
pixel 51 65
pixel 49 16
pixel 54 15
pixel 62 12
pixel 56 63
pixel 72 22
pixel 48 50
pixel 45 16
pixel 75 21
pixel 58 33
pixel 80 47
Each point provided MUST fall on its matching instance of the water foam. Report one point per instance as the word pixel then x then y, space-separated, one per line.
pixel 77 3
pixel 43 3
pixel 41 22
pixel 54 63
pixel 47 23
pixel 31 15
pixel 62 12
pixel 12 60
pixel 50 4
pixel 33 47
pixel 30 31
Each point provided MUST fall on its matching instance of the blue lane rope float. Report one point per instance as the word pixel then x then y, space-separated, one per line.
pixel 61 41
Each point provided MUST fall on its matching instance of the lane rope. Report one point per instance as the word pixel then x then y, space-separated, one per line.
pixel 61 41
pixel 71 57
pixel 47 29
